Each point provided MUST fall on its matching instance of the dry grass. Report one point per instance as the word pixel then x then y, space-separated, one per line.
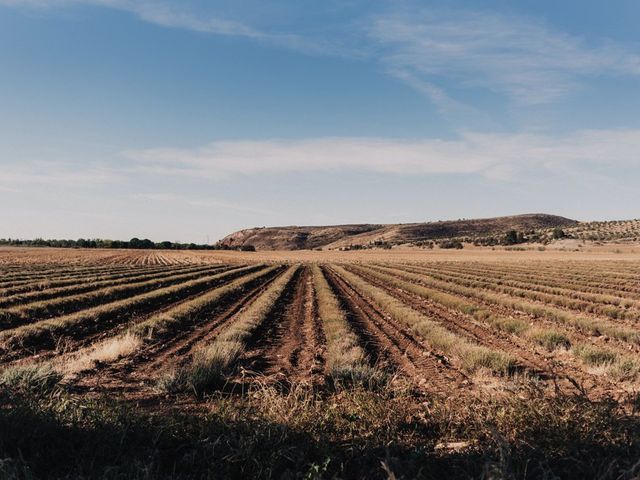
pixel 33 377
pixel 105 352
pixel 346 362
pixel 549 338
pixel 582 323
pixel 211 362
pixel 470 356
pixel 614 364
pixel 43 332
pixel 164 323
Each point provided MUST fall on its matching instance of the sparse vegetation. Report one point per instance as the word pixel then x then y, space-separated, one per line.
pixel 34 377
pixel 209 363
pixel 346 361
pixel 470 356
pixel 43 331
pixel 354 434
pixel 376 365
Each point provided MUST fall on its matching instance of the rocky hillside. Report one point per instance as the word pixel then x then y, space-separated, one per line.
pixel 340 236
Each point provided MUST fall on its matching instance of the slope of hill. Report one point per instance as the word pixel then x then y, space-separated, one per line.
pixel 294 238
pixel 341 236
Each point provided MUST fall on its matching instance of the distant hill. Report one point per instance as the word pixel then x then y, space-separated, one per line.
pixel 344 236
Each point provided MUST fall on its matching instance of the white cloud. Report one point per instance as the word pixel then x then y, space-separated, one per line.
pixel 519 57
pixel 173 14
pixel 524 59
pixel 167 15
pixel 38 174
pixel 205 202
pixel 595 156
pixel 161 13
pixel 495 156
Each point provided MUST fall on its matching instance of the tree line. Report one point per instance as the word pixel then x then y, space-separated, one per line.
pixel 134 243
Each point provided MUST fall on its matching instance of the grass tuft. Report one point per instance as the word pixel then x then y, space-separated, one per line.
pixel 614 364
pixel 346 362
pixel 595 356
pixel 359 376
pixel 550 339
pixel 470 355
pixel 30 378
pixel 212 362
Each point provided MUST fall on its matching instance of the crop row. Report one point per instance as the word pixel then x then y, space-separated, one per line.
pixel 44 333
pixel 83 286
pixel 166 322
pixel 58 273
pixel 172 321
pixel 563 272
pixel 612 307
pixel 28 286
pixel 469 355
pixel 589 282
pixel 551 338
pixel 32 312
pixel 585 324
pixel 212 361
pixel 534 278
pixel 344 359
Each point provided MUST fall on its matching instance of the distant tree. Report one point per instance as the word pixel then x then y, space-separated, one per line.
pixel 457 244
pixel 558 233
pixel 104 243
pixel 248 248
pixel 511 237
pixel 135 243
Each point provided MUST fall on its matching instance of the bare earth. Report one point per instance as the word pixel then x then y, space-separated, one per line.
pixel 589 299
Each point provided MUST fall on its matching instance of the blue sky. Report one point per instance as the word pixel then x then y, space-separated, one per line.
pixel 186 120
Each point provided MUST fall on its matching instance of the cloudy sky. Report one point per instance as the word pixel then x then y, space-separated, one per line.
pixel 185 120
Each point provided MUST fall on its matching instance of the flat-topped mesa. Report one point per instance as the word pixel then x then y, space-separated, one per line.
pixel 337 236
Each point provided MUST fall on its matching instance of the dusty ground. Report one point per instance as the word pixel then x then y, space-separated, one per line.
pixel 42 286
pixel 77 312
pixel 563 250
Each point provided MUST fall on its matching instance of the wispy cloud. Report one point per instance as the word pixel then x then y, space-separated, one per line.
pixel 519 57
pixel 203 202
pixel 179 15
pixel 498 157
pixel 525 59
pixel 158 12
pixel 56 174
pixel 495 156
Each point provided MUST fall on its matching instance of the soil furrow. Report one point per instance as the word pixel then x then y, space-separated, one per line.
pixel 149 362
pixel 544 366
pixel 81 335
pixel 415 360
pixel 515 312
pixel 458 323
pixel 291 350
